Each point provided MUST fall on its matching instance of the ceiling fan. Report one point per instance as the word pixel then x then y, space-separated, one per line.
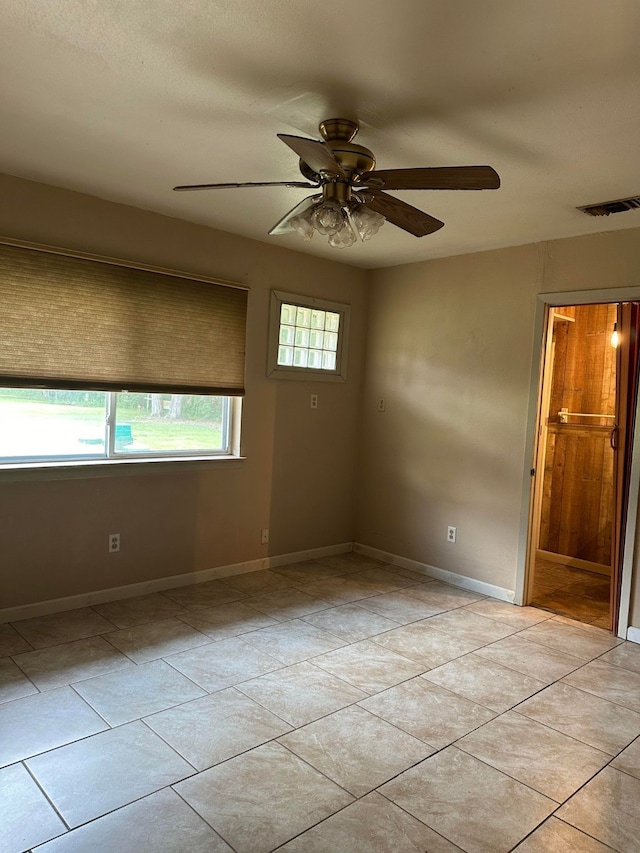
pixel 351 198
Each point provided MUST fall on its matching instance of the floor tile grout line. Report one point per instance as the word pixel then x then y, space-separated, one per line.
pixel 110 728
pixel 356 799
pixel 554 815
pixel 82 679
pixel 406 811
pixel 195 811
pixel 95 711
pixel 528 784
pixel 26 675
pixel 514 710
pixel 597 695
pixel 366 710
pixel 294 727
pixel 201 686
pixel 493 710
pixel 93 610
pixel 46 795
pixel 503 773
pixel 168 787
pixel 160 657
pixel 143 720
pixel 436 749
pixel 136 719
pixel 345 644
pixel 623 771
pixel 616 665
pixel 533 643
pixel 98 817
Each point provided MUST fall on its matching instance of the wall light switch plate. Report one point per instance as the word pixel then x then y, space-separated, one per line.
pixel 382 404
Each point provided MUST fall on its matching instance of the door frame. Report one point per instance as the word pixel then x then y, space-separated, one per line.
pixel 544 302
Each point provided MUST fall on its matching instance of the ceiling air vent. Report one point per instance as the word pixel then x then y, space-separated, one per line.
pixel 607 207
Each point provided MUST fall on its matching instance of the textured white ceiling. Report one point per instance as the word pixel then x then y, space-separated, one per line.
pixel 123 99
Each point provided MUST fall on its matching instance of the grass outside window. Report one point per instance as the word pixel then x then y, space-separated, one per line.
pixel 48 425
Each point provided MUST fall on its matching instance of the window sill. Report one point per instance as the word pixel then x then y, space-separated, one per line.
pixel 89 468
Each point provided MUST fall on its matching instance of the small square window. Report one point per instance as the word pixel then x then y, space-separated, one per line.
pixel 307 336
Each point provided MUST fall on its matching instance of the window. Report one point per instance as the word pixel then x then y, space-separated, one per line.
pixel 57 425
pixel 307 337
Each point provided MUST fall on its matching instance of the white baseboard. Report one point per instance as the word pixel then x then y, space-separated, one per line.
pixel 454 579
pixel 312 554
pixel 101 596
pixel 633 634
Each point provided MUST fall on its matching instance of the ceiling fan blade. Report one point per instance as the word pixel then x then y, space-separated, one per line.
pixel 401 214
pixel 317 155
pixel 283 226
pixel 190 187
pixel 439 178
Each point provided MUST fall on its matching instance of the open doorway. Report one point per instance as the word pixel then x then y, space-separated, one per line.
pixel 582 461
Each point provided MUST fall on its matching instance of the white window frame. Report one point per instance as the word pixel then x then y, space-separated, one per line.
pixel 232 411
pixel 278 371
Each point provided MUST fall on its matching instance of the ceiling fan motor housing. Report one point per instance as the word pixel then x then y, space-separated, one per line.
pixel 354 159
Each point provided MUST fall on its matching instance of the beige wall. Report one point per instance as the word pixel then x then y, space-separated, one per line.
pixel 298 475
pixel 450 346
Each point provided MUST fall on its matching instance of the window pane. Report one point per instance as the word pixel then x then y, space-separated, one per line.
pixel 300 357
pixel 316 340
pixel 302 337
pixel 165 423
pixel 52 424
pixel 285 356
pixel 287 334
pixel 330 340
pixel 317 320
pixel 329 360
pixel 315 359
pixel 288 314
pixel 332 322
pixel 303 317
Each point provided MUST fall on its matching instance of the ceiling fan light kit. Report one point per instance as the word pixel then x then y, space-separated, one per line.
pixel 342 224
pixel 352 203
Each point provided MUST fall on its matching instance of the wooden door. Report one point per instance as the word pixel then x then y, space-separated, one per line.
pixel 576 518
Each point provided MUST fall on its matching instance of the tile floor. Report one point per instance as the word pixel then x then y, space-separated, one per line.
pixel 578 594
pixel 334 706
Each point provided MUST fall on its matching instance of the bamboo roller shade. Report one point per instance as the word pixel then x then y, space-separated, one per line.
pixel 72 323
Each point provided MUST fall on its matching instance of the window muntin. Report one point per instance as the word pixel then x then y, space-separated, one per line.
pixel 307 336
pixel 52 426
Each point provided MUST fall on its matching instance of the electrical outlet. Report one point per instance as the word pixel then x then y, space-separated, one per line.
pixel 382 404
pixel 314 401
pixel 114 542
pixel 451 534
pixel 264 536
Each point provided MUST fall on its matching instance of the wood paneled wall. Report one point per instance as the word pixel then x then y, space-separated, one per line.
pixel 577 504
